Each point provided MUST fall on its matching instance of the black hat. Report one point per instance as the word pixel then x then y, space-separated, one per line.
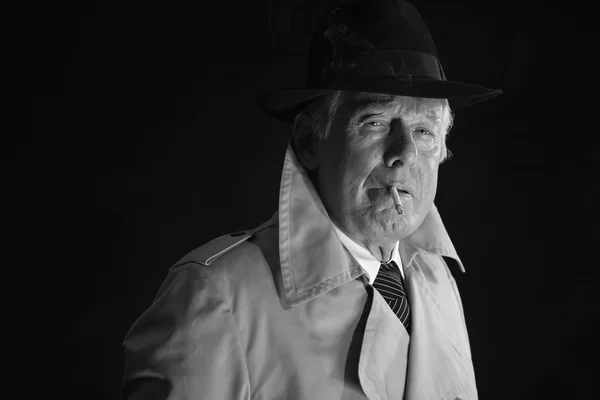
pixel 376 46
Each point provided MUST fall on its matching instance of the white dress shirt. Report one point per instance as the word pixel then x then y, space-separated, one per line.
pixel 366 260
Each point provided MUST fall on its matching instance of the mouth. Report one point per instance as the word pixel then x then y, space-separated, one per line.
pixel 402 192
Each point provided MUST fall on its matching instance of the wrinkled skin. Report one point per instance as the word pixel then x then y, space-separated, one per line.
pixel 372 146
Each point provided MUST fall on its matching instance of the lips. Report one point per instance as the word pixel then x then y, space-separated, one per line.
pixel 404 194
pixel 402 189
pixel 383 184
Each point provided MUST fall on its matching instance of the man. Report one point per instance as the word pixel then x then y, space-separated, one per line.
pixel 344 293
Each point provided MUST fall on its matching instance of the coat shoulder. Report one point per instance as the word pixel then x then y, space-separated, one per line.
pixel 210 252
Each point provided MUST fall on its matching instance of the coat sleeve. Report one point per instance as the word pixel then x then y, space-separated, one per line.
pixel 186 345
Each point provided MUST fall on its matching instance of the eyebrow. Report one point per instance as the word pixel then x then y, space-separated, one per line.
pixel 382 102
pixel 369 107
pixel 432 115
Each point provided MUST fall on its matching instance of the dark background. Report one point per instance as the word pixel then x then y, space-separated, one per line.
pixel 145 143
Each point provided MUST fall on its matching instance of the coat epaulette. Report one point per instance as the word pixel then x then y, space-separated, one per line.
pixel 209 252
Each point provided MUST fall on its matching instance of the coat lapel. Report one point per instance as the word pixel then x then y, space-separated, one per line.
pixel 384 351
pixel 440 365
pixel 434 363
pixel 313 260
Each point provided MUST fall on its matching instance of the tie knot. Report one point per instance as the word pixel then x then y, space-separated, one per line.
pixel 388 266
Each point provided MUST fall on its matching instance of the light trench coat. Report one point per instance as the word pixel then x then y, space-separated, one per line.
pixel 285 312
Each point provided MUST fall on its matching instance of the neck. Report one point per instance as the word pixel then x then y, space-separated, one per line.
pixel 381 251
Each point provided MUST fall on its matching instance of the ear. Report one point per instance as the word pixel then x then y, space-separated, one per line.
pixel 304 142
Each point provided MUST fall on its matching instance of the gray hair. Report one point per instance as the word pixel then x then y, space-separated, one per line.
pixel 322 112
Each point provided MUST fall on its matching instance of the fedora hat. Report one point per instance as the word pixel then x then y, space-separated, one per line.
pixel 376 46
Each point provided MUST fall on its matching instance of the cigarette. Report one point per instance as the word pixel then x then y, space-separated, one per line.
pixel 397 201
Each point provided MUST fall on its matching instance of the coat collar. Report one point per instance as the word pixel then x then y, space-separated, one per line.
pixel 313 260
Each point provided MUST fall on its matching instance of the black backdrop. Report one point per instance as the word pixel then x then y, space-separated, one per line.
pixel 145 143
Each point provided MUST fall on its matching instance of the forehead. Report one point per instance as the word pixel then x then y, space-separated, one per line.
pixel 362 102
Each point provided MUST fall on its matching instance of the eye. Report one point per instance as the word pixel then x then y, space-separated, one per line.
pixel 375 128
pixel 424 131
pixel 425 139
pixel 377 125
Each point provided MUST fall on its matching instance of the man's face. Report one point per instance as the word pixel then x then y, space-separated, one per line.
pixel 376 142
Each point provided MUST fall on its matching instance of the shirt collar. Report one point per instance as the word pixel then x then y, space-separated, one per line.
pixel 312 256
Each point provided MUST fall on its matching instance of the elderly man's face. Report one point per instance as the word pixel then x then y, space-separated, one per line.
pixel 376 142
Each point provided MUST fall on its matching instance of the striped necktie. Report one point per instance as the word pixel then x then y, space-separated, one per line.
pixel 390 284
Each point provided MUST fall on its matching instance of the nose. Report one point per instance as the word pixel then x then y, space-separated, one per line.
pixel 402 151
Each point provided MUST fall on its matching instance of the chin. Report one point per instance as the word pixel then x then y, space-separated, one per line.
pixel 389 224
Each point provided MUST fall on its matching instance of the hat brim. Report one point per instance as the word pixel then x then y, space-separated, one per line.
pixel 285 104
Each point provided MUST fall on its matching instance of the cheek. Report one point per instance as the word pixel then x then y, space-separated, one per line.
pixel 341 172
pixel 359 165
pixel 429 175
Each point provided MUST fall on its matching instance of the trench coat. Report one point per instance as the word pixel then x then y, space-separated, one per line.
pixel 284 311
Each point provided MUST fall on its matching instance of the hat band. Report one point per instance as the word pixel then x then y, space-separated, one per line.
pixel 399 64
